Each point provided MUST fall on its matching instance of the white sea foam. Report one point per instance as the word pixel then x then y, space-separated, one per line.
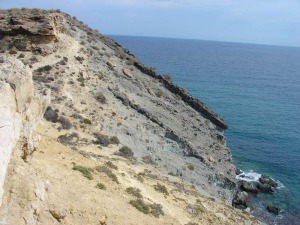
pixel 248 176
pixel 280 185
pixel 253 176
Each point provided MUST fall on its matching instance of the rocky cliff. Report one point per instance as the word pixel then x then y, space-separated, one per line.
pixel 21 110
pixel 141 143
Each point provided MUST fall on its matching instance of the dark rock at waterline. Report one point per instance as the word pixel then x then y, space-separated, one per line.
pixel 268 181
pixel 273 209
pixel 249 186
pixel 265 188
pixel 240 200
pixel 237 171
pixel 51 115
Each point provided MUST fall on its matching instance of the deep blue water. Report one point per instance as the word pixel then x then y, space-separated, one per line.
pixel 256 89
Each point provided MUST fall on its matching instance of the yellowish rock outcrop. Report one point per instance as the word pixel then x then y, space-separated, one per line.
pixel 21 111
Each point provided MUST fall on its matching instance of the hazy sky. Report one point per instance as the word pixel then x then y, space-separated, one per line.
pixel 254 21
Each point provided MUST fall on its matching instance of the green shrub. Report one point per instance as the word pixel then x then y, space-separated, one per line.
pixel 86 172
pixel 167 77
pixel 44 68
pixel 33 59
pixel 80 79
pixel 134 191
pixel 140 205
pixel 95 47
pixel 114 140
pixel 108 172
pixel 101 186
pixel 100 98
pixel 140 178
pixel 195 210
pixel 154 209
pixel 111 165
pixel 12 52
pixel 172 174
pixel 148 174
pixel 126 152
pixel 21 56
pixel 102 139
pixel 148 159
pixel 79 58
pixel 62 62
pixel 68 139
pixel 161 188
pixel 87 121
pixel 190 167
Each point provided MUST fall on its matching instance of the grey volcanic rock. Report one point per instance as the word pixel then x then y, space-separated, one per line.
pixel 249 186
pixel 267 180
pixel 266 188
pixel 267 184
pixel 240 200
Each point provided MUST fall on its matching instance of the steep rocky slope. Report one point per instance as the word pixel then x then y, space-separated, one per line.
pixel 114 121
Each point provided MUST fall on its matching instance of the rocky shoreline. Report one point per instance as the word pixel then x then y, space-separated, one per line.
pixel 249 185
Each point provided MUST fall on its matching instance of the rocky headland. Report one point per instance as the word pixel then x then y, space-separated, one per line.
pixel 91 135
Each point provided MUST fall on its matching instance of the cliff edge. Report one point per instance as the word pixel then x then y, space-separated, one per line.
pixel 118 143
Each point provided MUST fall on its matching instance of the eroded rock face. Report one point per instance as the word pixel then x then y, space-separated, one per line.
pixel 20 111
pixel 25 30
pixel 29 24
pixel 10 126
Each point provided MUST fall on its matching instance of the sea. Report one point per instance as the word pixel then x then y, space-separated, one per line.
pixel 256 90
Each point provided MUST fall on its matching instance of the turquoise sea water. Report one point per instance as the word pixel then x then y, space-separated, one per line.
pixel 256 89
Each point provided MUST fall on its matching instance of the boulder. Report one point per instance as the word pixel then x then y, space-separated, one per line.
pixel 273 209
pixel 268 181
pixel 265 188
pixel 237 171
pixel 241 198
pixel 249 186
pixel 51 115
